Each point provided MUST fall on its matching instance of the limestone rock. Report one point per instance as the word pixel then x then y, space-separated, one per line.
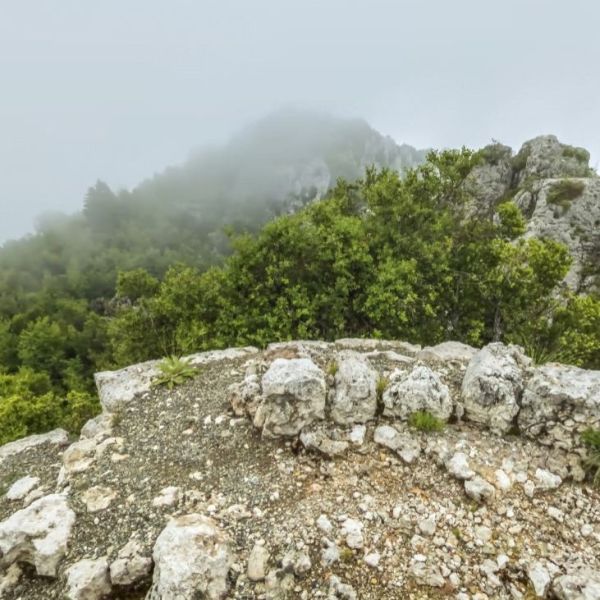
pixel 492 386
pixel 406 446
pixel 117 388
pixel 539 577
pixel 354 399
pixel 559 403
pixel 257 563
pixel 479 489
pixel 293 397
pixel 20 488
pixel 88 579
pixel 458 466
pixel 319 441
pixel 98 498
pixel 38 534
pixel 56 437
pixel 191 558
pixel 245 396
pixel 420 389
pixel 583 584
pixel 131 565
pixel 447 352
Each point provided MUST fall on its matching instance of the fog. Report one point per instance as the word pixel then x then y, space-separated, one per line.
pixel 119 90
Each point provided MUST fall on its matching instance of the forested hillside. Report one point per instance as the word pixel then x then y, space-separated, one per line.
pixel 185 262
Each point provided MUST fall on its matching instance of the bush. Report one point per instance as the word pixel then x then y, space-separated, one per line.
pixel 591 438
pixel 563 192
pixel 174 371
pixel 423 420
pixel 579 154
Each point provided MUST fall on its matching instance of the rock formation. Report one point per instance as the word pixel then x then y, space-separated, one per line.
pixel 294 473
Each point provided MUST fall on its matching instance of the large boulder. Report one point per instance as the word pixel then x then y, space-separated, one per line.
pixel 419 390
pixel 492 386
pixel 559 402
pixel 38 534
pixel 354 399
pixel 191 560
pixel 294 395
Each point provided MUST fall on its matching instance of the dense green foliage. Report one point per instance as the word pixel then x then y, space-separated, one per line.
pixel 131 279
pixel 424 421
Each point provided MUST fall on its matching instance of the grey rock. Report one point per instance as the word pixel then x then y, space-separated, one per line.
pixel 88 579
pixel 419 390
pixel 406 446
pixel 339 590
pixel 354 399
pixel 479 489
pixel 20 488
pixel 257 563
pixel 38 534
pixel 559 403
pixel 539 577
pixel 447 352
pixel 492 386
pixel 293 397
pixel 319 441
pixel 56 437
pixel 245 396
pixel 191 557
pixel 131 566
pixel 458 466
pixel 583 584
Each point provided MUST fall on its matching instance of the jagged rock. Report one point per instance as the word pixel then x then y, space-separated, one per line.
pixel 319 441
pixel 458 466
pixel 38 534
pixel 257 563
pixel 10 579
pixel 539 577
pixel 88 579
pixel 426 574
pixel 479 489
pixel 419 390
pixel 296 561
pixel 293 397
pixel 57 437
pixel 98 498
pixel 407 447
pixel 324 524
pixel 100 426
pixel 559 403
pixel 131 566
pixel 354 399
pixel 583 584
pixel 168 496
pixel 20 488
pixel 78 457
pixel 245 396
pixel 191 557
pixel 447 352
pixel 547 480
pixel 352 532
pixel 330 553
pixel 492 386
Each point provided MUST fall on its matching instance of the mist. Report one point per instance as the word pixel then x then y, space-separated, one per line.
pixel 120 91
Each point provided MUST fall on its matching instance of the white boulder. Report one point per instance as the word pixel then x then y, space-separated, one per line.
pixel 191 560
pixel 131 565
pixel 88 579
pixel 293 397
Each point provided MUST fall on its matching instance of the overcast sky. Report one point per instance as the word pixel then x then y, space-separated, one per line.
pixel 119 89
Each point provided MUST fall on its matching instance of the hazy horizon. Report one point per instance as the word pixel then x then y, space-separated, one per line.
pixel 118 93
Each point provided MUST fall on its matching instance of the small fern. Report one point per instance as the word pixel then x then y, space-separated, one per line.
pixel 591 438
pixel 423 420
pixel 174 371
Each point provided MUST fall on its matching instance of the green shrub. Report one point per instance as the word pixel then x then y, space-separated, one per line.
pixel 591 438
pixel 332 368
pixel 579 154
pixel 423 420
pixel 519 161
pixel 174 371
pixel 563 192
pixel 382 384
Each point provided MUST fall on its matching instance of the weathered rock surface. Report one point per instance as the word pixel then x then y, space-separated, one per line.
pixel 419 390
pixel 294 395
pixel 335 510
pixel 88 579
pixel 191 559
pixel 559 402
pixel 354 399
pixel 58 437
pixel 38 534
pixel 492 386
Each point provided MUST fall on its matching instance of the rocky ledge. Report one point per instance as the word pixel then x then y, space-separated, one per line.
pixel 294 472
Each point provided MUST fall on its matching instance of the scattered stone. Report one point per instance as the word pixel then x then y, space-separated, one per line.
pixel 372 559
pixel 458 466
pixel 547 480
pixel 352 532
pixel 427 526
pixel 257 563
pixel 539 577
pixel 324 524
pixel 317 440
pixel 88 579
pixel 339 590
pixel 98 498
pixel 168 496
pixel 131 566
pixel 479 489
pixel 404 444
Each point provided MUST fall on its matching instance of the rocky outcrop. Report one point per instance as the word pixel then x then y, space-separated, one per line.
pixel 183 491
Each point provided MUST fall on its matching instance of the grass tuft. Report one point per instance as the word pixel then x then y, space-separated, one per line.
pixel 174 371
pixel 423 420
